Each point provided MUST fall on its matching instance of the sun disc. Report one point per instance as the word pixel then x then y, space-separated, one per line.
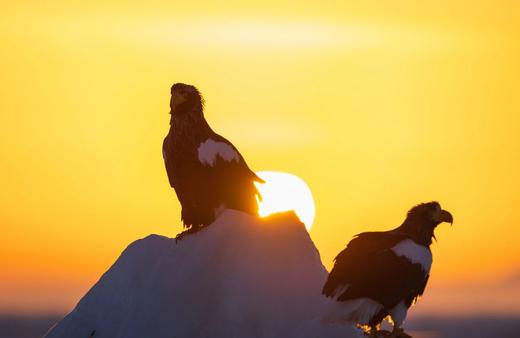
pixel 284 192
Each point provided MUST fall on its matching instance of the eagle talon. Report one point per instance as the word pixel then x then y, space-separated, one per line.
pixel 399 333
pixel 191 230
pixel 377 333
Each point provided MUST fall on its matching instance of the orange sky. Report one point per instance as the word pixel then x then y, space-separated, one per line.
pixel 377 106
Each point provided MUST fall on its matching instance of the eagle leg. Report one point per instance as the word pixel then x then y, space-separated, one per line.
pixel 398 332
pixel 374 329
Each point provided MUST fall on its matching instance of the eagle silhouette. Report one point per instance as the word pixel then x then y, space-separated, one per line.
pixel 207 171
pixel 382 274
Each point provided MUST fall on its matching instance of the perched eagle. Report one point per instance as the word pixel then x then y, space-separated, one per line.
pixel 206 170
pixel 381 274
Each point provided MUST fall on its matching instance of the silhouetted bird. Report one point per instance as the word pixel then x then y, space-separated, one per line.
pixel 206 170
pixel 381 274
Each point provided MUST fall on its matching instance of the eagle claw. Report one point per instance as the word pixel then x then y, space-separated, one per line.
pixel 396 333
pixel 399 333
pixel 374 333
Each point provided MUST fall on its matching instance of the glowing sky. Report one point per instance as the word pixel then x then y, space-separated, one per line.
pixel 377 106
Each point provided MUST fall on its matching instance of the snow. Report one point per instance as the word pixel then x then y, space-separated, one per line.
pixel 415 253
pixel 241 277
pixel 210 149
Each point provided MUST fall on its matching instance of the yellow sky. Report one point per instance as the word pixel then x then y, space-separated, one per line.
pixel 376 105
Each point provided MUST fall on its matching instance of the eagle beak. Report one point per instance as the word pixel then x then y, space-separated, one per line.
pixel 444 216
pixel 176 99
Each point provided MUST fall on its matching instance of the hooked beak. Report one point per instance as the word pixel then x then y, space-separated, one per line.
pixel 175 100
pixel 444 216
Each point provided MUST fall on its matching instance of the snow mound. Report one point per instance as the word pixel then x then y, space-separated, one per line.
pixel 241 277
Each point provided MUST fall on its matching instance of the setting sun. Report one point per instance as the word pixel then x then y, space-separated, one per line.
pixel 284 192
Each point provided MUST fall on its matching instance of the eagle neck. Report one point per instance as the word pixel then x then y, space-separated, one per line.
pixel 189 127
pixel 420 233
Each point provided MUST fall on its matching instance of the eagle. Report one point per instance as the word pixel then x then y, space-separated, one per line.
pixel 206 171
pixel 381 274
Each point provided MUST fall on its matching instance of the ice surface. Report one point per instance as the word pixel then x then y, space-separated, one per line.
pixel 240 277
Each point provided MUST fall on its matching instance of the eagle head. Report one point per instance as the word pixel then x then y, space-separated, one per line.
pixel 185 99
pixel 422 220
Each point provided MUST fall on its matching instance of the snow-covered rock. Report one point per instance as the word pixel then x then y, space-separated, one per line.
pixel 241 277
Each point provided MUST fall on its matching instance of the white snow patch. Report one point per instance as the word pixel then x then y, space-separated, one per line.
pixel 210 149
pixel 415 253
pixel 240 277
pixel 398 314
pixel 359 310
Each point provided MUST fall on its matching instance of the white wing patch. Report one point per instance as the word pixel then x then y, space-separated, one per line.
pixel 358 310
pixel 415 253
pixel 210 149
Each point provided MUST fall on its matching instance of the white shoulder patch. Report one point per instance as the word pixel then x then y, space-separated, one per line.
pixel 210 149
pixel 415 253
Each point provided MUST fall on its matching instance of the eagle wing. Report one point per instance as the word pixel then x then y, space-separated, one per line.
pixel 186 176
pixel 368 267
pixel 228 175
pixel 222 155
pixel 208 175
pixel 168 163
